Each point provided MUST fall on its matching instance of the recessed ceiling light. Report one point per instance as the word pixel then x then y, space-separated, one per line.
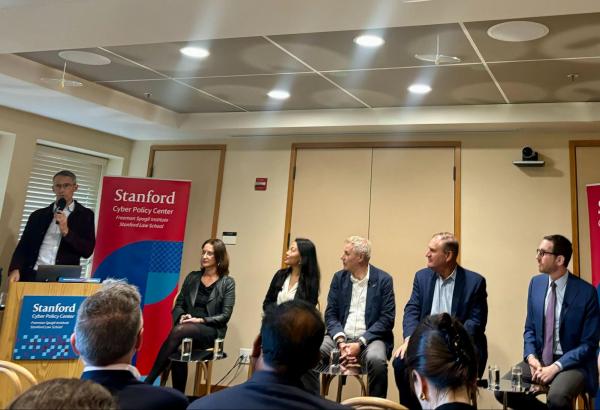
pixel 195 52
pixel 419 88
pixel 369 40
pixel 515 31
pixel 84 57
pixel 279 94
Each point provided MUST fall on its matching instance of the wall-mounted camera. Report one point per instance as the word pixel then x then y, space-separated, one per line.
pixel 529 158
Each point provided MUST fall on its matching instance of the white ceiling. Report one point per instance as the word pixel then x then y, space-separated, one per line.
pixel 30 26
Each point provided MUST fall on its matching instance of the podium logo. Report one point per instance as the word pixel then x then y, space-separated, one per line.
pixel 58 308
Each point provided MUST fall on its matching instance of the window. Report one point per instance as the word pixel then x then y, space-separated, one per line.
pixel 47 161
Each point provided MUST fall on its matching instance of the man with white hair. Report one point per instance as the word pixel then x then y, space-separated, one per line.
pixel 360 314
pixel 108 332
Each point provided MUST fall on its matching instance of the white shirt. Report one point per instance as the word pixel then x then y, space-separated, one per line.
pixel 51 242
pixel 355 323
pixel 442 294
pixel 561 286
pixel 116 366
pixel 287 294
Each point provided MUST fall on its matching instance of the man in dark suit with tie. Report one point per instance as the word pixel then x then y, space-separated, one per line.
pixel 443 287
pixel 562 330
pixel 360 314
pixel 108 332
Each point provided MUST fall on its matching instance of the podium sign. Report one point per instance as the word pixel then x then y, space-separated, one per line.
pixel 45 327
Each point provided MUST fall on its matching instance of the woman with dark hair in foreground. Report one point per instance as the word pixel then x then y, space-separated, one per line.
pixel 443 364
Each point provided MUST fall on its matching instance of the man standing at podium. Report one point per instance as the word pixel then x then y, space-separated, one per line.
pixel 59 234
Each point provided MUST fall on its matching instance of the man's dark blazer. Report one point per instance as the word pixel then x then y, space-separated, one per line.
pixel 219 306
pixel 134 394
pixel 380 312
pixel 579 325
pixel 469 305
pixel 265 390
pixel 78 243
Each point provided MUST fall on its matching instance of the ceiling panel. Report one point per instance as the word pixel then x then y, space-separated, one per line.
pixel 118 69
pixel 547 81
pixel 307 92
pixel 453 84
pixel 337 50
pixel 253 55
pixel 171 95
pixel 570 36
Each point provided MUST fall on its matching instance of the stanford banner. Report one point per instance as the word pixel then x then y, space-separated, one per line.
pixel 141 227
pixel 593 193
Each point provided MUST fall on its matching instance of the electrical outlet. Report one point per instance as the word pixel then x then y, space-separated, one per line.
pixel 245 355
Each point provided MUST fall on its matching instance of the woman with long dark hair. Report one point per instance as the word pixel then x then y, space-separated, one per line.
pixel 301 279
pixel 201 312
pixel 442 363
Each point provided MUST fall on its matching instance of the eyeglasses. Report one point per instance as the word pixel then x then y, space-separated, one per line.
pixel 541 253
pixel 65 186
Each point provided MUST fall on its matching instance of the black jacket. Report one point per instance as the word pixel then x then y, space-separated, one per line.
pixel 219 306
pixel 277 285
pixel 79 242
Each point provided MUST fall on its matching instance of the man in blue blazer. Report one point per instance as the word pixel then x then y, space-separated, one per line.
pixel 562 330
pixel 443 287
pixel 360 314
pixel 108 332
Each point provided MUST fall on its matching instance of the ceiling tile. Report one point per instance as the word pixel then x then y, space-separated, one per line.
pixel 118 69
pixel 337 50
pixel 454 84
pixel 252 55
pixel 547 81
pixel 171 95
pixel 307 92
pixel 575 35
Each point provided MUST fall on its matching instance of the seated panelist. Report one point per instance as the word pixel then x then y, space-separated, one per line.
pixel 201 312
pixel 299 281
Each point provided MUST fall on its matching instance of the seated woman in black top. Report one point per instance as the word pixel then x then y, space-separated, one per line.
pixel 301 279
pixel 442 363
pixel 202 310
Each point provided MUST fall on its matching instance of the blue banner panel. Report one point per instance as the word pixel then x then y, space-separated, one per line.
pixel 45 327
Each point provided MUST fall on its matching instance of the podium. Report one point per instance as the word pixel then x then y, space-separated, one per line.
pixel 41 369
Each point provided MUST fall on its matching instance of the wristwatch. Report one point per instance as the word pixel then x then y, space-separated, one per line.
pixel 362 344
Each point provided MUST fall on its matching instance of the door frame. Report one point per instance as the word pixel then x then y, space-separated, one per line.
pixel 201 147
pixel 456 145
pixel 573 145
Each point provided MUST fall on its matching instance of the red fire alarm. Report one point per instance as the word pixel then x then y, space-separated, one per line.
pixel 260 184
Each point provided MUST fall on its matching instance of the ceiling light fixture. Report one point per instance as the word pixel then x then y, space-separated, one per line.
pixel 194 52
pixel 419 88
pixel 84 57
pixel 279 94
pixel 516 31
pixel 369 40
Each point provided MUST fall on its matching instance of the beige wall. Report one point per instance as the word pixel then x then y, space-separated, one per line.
pixel 505 212
pixel 19 132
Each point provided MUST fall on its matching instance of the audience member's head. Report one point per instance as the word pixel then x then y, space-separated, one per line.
pixel 291 336
pixel 109 325
pixel 442 361
pixel 65 394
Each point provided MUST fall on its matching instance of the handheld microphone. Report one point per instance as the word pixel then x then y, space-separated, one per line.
pixel 60 205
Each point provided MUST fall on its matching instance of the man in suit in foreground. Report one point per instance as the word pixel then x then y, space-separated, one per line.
pixel 360 314
pixel 289 341
pixel 60 234
pixel 561 331
pixel 108 332
pixel 443 287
